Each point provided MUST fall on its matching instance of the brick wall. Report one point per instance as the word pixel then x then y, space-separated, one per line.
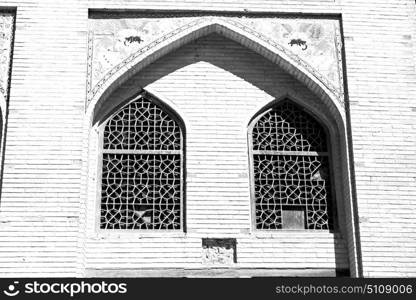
pixel 382 97
pixel 47 215
pixel 41 180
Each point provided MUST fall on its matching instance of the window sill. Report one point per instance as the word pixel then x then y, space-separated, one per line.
pixel 293 233
pixel 135 234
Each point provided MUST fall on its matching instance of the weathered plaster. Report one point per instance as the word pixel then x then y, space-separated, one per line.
pixel 6 37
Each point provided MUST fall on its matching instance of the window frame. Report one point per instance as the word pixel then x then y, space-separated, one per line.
pixel 100 156
pixel 329 155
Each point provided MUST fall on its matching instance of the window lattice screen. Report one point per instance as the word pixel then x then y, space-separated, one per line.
pixel 141 173
pixel 291 170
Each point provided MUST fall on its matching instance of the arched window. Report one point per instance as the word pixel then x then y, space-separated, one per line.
pixel 142 167
pixel 291 170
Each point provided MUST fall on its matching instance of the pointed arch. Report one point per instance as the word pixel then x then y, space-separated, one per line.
pixel 142 176
pixel 329 152
pixel 291 170
pixel 250 39
pixel 230 29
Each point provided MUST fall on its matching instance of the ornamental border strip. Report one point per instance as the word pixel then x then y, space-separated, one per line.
pixel 9 34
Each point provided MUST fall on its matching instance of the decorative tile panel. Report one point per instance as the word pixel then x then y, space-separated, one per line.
pixel 314 43
pixel 219 251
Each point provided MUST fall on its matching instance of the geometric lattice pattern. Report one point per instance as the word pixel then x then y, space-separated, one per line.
pixel 291 168
pixel 141 174
pixel 142 125
pixel 288 128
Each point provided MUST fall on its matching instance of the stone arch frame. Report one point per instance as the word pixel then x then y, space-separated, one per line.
pixel 330 110
pixel 5 90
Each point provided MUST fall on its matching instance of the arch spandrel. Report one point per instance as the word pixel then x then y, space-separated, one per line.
pixel 231 29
